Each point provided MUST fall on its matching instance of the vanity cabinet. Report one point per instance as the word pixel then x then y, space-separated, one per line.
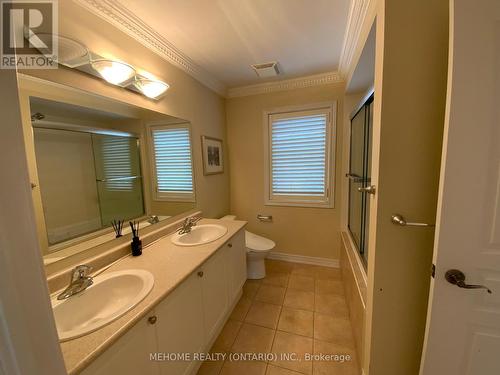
pixel 236 265
pixel 130 354
pixel 214 280
pixel 180 327
pixel 187 321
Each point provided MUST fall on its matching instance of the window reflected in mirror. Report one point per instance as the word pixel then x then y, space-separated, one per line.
pixel 173 165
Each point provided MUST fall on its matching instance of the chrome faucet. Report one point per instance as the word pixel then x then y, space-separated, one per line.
pixel 80 280
pixel 188 223
pixel 153 219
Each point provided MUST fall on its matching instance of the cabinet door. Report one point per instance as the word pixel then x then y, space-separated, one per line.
pixel 237 264
pixel 130 355
pixel 214 286
pixel 180 326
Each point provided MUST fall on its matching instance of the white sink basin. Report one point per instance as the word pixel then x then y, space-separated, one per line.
pixel 111 296
pixel 199 235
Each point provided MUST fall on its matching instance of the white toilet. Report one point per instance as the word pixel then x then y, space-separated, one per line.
pixel 258 248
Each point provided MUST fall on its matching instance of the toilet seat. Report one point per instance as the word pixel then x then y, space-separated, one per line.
pixel 256 243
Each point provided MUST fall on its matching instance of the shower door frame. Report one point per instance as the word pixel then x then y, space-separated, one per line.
pixel 364 106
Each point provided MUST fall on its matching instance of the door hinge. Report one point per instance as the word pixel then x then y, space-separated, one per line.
pixel 433 270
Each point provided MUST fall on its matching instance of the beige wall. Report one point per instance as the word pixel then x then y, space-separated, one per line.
pixel 187 98
pixel 296 230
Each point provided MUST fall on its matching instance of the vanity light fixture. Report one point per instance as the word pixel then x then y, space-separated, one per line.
pixel 150 87
pixel 75 55
pixel 115 72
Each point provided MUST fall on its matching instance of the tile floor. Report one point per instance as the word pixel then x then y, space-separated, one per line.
pixel 297 308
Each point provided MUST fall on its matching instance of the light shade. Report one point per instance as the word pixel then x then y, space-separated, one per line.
pixel 150 87
pixel 115 72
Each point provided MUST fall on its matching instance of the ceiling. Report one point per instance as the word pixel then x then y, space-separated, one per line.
pixel 224 37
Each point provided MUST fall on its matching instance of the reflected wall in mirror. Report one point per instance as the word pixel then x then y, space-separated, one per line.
pixel 90 167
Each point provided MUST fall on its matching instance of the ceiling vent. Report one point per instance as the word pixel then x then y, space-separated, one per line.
pixel 266 70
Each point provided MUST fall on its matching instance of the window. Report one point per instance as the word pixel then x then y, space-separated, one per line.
pixel 299 148
pixel 173 167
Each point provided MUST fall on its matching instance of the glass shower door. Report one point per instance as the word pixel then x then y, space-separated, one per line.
pixel 367 179
pixel 359 177
pixel 118 176
pixel 356 168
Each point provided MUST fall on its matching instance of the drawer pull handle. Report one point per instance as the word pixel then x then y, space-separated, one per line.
pixel 229 245
pixel 200 273
pixel 152 319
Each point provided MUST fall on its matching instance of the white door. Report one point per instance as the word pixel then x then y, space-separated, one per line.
pixel 463 325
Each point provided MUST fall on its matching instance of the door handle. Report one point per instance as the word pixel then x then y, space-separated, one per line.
pixel 457 277
pixel 398 219
pixel 369 189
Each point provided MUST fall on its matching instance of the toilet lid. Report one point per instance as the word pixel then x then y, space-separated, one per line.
pixel 255 242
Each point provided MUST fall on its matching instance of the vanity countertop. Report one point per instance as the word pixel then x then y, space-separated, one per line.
pixel 170 265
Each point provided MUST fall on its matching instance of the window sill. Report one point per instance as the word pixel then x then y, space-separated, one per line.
pixel 180 199
pixel 306 204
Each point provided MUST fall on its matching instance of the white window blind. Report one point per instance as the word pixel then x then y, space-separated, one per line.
pixel 117 165
pixel 173 162
pixel 299 152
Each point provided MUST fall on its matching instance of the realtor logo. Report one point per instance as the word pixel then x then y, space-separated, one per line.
pixel 29 30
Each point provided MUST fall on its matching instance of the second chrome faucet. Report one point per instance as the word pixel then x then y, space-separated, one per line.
pixel 188 223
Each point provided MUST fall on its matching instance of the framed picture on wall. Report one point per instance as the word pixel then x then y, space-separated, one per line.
pixel 213 158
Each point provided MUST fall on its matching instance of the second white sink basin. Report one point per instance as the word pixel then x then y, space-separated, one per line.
pixel 199 235
pixel 111 296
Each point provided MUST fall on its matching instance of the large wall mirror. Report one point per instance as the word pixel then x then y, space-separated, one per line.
pixel 90 167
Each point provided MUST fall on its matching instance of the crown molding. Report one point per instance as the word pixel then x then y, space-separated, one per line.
pixel 287 84
pixel 357 15
pixel 116 14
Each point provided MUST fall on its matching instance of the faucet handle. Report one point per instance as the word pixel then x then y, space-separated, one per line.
pixel 194 219
pixel 81 271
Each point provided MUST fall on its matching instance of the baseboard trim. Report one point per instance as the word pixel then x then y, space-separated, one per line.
pixel 317 261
